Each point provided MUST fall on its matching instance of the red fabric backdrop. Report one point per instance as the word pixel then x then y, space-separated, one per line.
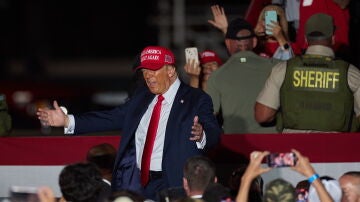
pixel 343 147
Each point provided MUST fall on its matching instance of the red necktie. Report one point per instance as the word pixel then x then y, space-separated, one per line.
pixel 150 139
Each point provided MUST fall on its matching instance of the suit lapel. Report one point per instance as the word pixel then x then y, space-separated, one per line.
pixel 139 107
pixel 176 109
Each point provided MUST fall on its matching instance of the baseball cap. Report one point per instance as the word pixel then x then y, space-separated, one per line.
pixel 155 57
pixel 209 56
pixel 235 26
pixel 279 190
pixel 320 22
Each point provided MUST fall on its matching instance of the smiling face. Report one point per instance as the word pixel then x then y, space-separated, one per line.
pixel 209 68
pixel 159 81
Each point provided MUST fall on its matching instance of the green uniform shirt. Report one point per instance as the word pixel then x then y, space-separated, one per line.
pixel 234 88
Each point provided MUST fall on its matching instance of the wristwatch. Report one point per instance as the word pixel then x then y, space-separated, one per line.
pixel 285 46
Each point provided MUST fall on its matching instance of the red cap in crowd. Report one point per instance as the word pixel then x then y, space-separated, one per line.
pixel 209 56
pixel 155 57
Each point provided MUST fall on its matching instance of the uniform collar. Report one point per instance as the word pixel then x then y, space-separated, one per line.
pixel 320 50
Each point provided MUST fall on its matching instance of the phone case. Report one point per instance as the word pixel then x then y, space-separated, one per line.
pixel 24 189
pixel 281 159
pixel 191 53
pixel 269 17
pixel 23 193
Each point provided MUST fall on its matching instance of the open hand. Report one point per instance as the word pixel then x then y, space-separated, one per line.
pixel 220 20
pixel 52 117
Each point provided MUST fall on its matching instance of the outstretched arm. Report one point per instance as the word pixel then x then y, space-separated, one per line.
pixel 193 69
pixel 304 167
pixel 253 170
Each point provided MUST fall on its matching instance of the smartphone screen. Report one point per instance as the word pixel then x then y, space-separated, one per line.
pixel 191 53
pixel 269 17
pixel 281 159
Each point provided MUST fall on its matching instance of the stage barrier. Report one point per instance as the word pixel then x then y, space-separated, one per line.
pixel 37 161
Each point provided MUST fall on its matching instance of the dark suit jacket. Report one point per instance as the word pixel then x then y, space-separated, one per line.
pixel 188 103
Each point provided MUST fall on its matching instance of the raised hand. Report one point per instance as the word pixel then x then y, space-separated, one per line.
pixel 220 20
pixel 193 69
pixel 277 32
pixel 196 130
pixel 253 170
pixel 303 165
pixel 45 194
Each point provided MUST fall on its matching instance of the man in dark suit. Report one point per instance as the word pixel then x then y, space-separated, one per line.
pixel 187 126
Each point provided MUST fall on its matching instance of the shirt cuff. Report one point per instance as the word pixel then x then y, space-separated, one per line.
pixel 71 125
pixel 202 143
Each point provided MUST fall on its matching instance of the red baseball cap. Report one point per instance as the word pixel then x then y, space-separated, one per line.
pixel 155 57
pixel 209 56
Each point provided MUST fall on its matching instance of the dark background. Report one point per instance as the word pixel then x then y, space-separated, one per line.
pixel 87 28
pixel 77 51
pixel 76 28
pixel 74 51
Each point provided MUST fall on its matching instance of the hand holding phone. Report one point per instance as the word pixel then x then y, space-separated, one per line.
pixel 24 194
pixel 269 17
pixel 191 53
pixel 281 159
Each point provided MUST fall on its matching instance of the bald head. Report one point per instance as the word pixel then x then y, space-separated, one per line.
pixel 350 186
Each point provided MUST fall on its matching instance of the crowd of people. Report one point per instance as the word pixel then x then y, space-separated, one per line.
pixel 269 84
pixel 84 182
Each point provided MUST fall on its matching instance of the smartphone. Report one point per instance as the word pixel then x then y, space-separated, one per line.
pixel 269 17
pixel 281 159
pixel 191 53
pixel 24 194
